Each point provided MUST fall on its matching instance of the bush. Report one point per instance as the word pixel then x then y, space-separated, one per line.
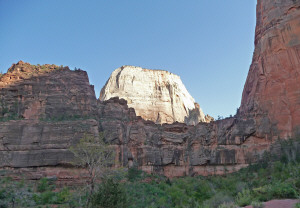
pixel 43 185
pixel 3 199
pixel 46 197
pixel 14 194
pixel 134 174
pixel 262 193
pixel 243 198
pixel 240 186
pixel 178 196
pixel 203 190
pixel 110 194
pixel 217 200
pixel 63 196
pixel 142 195
pixel 283 191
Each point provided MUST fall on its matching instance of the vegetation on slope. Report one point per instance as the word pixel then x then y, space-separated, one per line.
pixel 272 178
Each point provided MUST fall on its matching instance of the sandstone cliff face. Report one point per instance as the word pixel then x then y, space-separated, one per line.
pixel 273 83
pixel 156 95
pixel 270 105
pixel 40 148
pixel 47 91
pixel 37 144
pixel 178 149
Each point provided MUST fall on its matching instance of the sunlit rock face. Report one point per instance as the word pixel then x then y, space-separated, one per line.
pixel 58 106
pixel 273 81
pixel 156 95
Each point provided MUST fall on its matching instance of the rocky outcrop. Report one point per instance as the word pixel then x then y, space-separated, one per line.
pixel 33 143
pixel 37 144
pixel 170 149
pixel 273 81
pixel 156 95
pixel 178 149
pixel 45 92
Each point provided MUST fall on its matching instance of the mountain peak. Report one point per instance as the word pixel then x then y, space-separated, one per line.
pixel 156 95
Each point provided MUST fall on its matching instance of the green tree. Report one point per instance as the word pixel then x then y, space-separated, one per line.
pixel 96 156
pixel 110 194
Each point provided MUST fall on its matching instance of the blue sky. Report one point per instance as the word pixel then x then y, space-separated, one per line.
pixel 208 43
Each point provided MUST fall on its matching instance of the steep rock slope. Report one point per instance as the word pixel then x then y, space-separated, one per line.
pixel 36 143
pixel 39 147
pixel 156 95
pixel 47 91
pixel 273 82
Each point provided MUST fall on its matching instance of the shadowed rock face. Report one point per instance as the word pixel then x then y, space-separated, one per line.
pixel 269 109
pixel 46 91
pixel 156 95
pixel 178 149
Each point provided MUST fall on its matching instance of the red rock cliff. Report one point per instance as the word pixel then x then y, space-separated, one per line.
pixel 273 83
pixel 47 91
pixel 38 144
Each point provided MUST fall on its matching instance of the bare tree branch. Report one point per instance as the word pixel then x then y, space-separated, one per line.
pixel 93 154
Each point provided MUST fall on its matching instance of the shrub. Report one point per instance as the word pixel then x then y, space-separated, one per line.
pixel 134 174
pixel 243 198
pixel 178 196
pixel 46 197
pixel 202 190
pixel 3 199
pixel 44 185
pixel 14 194
pixel 262 193
pixel 283 190
pixel 297 184
pixel 217 200
pixel 63 196
pixel 297 205
pixel 142 195
pixel 110 193
pixel 240 186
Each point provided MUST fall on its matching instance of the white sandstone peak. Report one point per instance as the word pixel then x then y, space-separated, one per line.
pixel 155 95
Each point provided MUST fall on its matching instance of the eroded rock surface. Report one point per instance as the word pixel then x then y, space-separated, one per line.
pixel 40 139
pixel 273 82
pixel 47 91
pixel 38 144
pixel 156 95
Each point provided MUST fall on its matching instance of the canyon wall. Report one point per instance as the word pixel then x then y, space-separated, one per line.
pixel 156 95
pixel 273 82
pixel 47 91
pixel 45 109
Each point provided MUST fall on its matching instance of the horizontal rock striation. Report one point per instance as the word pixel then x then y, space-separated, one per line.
pixel 170 149
pixel 32 143
pixel 156 95
pixel 37 144
pixel 47 91
pixel 178 149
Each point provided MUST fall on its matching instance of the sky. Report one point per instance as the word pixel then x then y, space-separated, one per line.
pixel 208 43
